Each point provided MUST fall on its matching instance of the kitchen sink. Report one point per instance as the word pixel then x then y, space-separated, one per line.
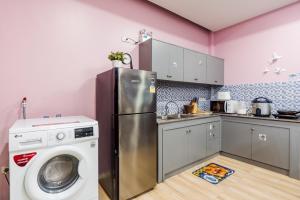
pixel 176 116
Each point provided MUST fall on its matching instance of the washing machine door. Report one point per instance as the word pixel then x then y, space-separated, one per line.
pixel 57 174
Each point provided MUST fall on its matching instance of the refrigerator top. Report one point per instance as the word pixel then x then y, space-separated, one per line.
pixel 135 91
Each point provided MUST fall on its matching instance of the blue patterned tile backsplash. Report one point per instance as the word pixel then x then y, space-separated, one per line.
pixel 181 93
pixel 285 95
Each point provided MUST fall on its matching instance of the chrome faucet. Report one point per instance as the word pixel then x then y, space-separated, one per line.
pixel 167 108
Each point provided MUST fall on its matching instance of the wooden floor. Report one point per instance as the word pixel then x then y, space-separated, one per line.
pixel 248 182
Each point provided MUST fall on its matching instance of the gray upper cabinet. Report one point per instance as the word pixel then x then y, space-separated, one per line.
pixel 236 139
pixel 163 58
pixel 160 59
pixel 175 66
pixel 270 145
pixel 176 63
pixel 196 142
pixel 215 71
pixel 194 66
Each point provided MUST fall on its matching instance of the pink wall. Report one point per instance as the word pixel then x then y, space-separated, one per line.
pixel 248 46
pixel 51 52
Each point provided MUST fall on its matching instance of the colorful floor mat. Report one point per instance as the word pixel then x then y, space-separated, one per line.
pixel 213 173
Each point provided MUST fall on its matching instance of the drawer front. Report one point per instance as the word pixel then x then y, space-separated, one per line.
pixel 270 145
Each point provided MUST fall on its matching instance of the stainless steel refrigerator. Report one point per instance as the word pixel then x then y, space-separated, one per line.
pixel 125 110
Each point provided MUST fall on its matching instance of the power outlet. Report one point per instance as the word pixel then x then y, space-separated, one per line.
pixel 4 170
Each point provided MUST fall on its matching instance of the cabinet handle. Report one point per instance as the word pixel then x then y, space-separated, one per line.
pixel 190 131
pixel 211 134
pixel 216 81
pixel 262 137
pixel 195 79
pixel 200 62
pixel 169 76
pixel 175 64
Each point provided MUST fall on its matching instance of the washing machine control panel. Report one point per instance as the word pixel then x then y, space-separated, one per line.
pixel 69 135
pixel 84 132
pixel 60 135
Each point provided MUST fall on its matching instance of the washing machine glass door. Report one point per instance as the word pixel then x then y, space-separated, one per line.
pixel 58 173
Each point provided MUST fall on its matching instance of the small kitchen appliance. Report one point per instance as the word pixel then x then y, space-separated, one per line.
pixel 261 107
pixel 224 106
pixel 287 114
pixel 225 96
pixel 242 108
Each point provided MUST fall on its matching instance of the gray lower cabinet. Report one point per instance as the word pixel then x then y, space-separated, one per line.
pixel 214 70
pixel 269 142
pixel 194 67
pixel 174 149
pixel 184 143
pixel 236 138
pixel 265 144
pixel 183 146
pixel 270 145
pixel 196 143
pixel 213 138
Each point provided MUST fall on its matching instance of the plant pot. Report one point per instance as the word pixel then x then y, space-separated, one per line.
pixel 117 63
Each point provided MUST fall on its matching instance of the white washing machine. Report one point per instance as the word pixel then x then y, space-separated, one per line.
pixel 54 159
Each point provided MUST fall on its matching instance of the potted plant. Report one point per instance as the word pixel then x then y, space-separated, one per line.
pixel 117 58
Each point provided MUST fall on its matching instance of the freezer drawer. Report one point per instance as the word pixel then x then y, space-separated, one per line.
pixel 137 154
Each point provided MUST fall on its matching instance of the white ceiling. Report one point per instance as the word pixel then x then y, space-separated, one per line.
pixel 218 14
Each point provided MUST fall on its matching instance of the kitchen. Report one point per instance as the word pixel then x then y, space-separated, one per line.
pixel 52 52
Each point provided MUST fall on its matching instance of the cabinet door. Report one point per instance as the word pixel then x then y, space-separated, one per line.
pixel 167 61
pixel 213 138
pixel 175 63
pixel 174 149
pixel 270 145
pixel 160 59
pixel 215 71
pixel 236 139
pixel 194 67
pixel 196 142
